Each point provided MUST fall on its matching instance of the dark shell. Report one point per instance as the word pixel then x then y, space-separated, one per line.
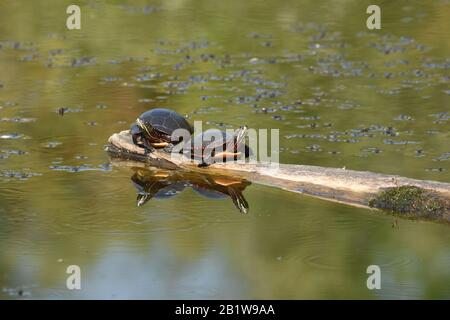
pixel 207 138
pixel 212 138
pixel 165 120
pixel 209 193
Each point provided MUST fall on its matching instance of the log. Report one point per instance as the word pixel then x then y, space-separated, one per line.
pixel 410 198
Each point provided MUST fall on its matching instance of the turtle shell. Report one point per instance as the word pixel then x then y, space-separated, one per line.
pixel 164 121
pixel 212 138
pixel 209 193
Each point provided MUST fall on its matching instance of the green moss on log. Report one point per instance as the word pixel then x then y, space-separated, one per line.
pixel 412 201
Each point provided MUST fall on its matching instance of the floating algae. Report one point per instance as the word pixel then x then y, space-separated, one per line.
pixel 412 201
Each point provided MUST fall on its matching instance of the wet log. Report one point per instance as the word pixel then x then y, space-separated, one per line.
pixel 410 198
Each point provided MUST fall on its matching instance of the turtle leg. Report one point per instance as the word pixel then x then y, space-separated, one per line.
pixel 168 147
pixel 137 136
pixel 142 198
pixel 207 160
pixel 159 145
pixel 166 143
pixel 147 147
pixel 220 157
pixel 238 200
pixel 223 156
pixel 141 142
pixel 203 165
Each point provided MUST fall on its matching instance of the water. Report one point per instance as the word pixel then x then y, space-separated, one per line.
pixel 340 94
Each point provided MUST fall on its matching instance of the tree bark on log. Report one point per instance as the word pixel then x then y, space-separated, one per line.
pixel 350 187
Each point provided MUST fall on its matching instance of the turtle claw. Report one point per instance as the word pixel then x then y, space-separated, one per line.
pixel 203 165
pixel 206 161
pixel 142 198
pixel 147 149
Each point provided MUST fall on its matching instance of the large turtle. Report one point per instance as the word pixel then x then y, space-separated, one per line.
pixel 154 128
pixel 214 145
pixel 159 184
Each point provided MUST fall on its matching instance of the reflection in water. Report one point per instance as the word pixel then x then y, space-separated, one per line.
pixel 160 183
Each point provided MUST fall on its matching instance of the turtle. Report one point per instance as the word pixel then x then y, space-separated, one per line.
pixel 215 145
pixel 155 185
pixel 153 129
pixel 220 188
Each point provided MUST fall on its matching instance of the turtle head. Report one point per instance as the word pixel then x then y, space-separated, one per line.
pixel 146 128
pixel 137 134
pixel 141 133
pixel 142 198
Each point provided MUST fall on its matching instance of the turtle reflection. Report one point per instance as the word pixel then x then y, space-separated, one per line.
pixel 160 183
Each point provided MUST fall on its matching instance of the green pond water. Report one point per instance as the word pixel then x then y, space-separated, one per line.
pixel 340 94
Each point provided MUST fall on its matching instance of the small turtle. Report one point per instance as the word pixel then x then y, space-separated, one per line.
pixel 214 145
pixel 219 188
pixel 154 128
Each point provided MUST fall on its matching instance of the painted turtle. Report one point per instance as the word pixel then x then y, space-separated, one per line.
pixel 154 128
pixel 214 145
pixel 219 188
pixel 165 184
pixel 159 184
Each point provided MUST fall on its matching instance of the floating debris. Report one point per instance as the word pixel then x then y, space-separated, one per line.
pixel 83 61
pixel 81 168
pixel 435 169
pixel 30 57
pixel 314 148
pixel 403 117
pixel 63 110
pixel 310 118
pixel 20 175
pixel 111 79
pixel 52 144
pixel 145 100
pixel 4 153
pixel 399 142
pixel 18 120
pixel 148 76
pixel 12 136
pixel 334 152
pixel 278 117
pixel 443 157
pixel 147 9
pixel 306 136
pixel 17 292
pixel 373 150
pixel 441 117
pixel 419 153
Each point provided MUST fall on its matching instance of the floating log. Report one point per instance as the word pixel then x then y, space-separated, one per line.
pixel 410 198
